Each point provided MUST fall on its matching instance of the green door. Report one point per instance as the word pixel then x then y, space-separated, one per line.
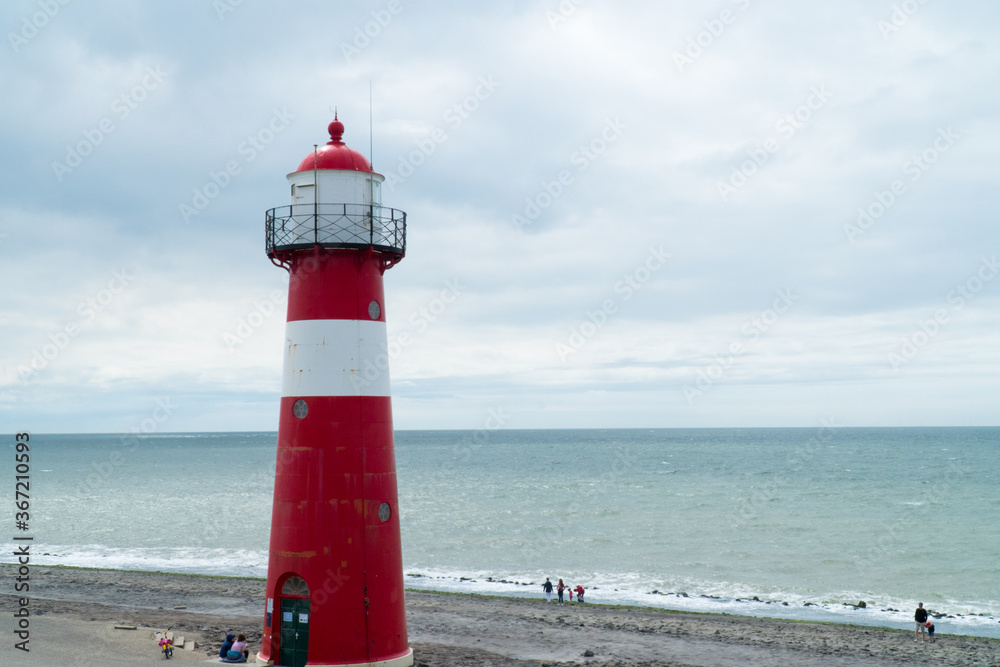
pixel 294 632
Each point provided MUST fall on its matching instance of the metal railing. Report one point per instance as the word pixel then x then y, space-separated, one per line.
pixel 301 226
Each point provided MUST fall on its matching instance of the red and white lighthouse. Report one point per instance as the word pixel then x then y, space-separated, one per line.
pixel 335 571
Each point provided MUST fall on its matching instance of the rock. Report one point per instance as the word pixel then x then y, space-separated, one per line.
pixel 588 653
pixel 862 605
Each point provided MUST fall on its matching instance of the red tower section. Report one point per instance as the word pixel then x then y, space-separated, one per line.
pixel 335 573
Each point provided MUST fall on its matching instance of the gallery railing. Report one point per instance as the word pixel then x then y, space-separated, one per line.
pixel 301 226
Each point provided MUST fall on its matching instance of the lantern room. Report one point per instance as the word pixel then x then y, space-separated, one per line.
pixel 336 202
pixel 336 173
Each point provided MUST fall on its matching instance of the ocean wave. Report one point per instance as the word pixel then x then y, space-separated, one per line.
pixel 953 617
pixel 185 560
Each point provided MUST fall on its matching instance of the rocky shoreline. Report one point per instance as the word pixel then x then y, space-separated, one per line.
pixel 450 630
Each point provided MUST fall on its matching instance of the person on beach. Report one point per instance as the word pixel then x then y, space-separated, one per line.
pixel 560 587
pixel 930 630
pixel 579 594
pixel 238 651
pixel 226 645
pixel 920 616
pixel 570 593
pixel 547 587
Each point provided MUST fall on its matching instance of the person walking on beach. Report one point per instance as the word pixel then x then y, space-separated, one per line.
pixel 560 587
pixel 547 587
pixel 920 616
pixel 930 630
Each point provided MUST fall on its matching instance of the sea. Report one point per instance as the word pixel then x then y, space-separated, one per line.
pixel 797 523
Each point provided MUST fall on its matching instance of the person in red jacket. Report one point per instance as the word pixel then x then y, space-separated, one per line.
pixel 579 593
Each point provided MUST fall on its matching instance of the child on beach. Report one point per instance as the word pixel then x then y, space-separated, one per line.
pixel 930 631
pixel 570 593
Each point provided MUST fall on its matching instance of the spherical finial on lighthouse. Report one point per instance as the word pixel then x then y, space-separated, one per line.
pixel 335 571
pixel 336 129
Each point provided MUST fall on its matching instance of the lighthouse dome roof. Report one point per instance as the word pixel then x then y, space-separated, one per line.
pixel 335 154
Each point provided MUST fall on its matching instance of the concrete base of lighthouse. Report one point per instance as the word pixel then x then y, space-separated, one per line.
pixel 401 661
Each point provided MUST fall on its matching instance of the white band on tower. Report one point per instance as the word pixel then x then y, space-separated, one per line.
pixel 335 358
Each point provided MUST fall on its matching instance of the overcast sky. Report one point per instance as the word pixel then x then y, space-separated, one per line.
pixel 620 214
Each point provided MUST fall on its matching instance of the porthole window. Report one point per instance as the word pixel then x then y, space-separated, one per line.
pixel 300 409
pixel 374 310
pixel 384 512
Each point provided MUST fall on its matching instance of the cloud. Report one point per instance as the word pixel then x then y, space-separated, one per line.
pixel 539 160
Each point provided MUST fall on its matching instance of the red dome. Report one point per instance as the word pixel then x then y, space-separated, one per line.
pixel 335 154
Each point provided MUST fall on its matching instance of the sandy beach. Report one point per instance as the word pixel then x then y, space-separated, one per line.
pixel 74 613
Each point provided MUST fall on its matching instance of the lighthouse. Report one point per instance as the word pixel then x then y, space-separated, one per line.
pixel 335 570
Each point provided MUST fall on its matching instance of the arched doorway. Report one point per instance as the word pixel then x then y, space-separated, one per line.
pixel 293 615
